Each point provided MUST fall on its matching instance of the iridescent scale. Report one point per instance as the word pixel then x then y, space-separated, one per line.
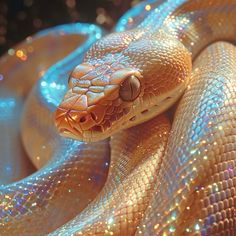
pixel 183 186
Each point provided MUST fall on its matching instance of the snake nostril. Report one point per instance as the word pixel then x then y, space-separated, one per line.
pixel 82 119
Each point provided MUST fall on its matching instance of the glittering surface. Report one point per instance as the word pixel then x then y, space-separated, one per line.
pixel 195 190
pixel 188 190
pixel 125 196
pixel 66 183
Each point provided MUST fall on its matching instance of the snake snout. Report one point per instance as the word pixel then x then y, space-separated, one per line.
pixel 73 123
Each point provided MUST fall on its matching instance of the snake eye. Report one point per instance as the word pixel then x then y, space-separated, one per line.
pixel 130 88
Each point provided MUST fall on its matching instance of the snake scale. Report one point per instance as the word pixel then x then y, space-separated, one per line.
pixel 172 175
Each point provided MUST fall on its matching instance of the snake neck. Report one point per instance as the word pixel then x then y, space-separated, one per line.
pixel 196 23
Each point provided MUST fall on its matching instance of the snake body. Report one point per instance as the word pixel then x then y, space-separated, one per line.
pixel 127 78
pixel 52 192
pixel 201 201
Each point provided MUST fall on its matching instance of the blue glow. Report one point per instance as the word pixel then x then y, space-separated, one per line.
pixel 8 106
pixel 7 102
pixel 50 90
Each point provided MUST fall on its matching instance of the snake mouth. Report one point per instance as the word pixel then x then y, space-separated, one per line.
pixel 75 124
pixel 65 124
pixel 86 125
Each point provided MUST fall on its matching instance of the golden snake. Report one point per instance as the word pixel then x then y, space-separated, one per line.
pixel 126 78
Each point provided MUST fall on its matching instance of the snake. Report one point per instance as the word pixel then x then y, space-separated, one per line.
pixel 108 172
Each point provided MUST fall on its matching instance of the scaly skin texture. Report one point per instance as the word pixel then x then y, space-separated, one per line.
pixel 195 189
pixel 45 200
pixel 125 78
pixel 157 54
pixel 192 191
pixel 134 168
pixel 93 108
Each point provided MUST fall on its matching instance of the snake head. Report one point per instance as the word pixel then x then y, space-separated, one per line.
pixel 125 79
pixel 93 103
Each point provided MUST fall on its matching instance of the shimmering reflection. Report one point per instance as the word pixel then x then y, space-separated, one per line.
pixel 66 183
pixel 14 163
pixel 195 187
pixel 194 190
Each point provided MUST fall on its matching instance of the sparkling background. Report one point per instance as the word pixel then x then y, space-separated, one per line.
pixel 21 18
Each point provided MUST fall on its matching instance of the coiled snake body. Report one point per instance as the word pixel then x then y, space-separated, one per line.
pixel 183 186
